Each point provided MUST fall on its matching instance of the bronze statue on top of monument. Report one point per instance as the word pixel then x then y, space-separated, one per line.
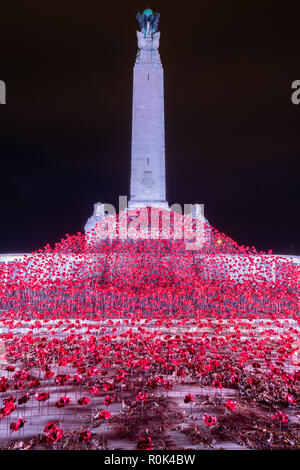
pixel 148 16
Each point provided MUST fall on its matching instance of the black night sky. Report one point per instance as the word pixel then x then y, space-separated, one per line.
pixel 232 132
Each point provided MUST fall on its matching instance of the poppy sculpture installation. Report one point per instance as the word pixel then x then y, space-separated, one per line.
pixel 140 344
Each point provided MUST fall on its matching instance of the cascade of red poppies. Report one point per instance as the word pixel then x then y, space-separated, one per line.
pixel 90 322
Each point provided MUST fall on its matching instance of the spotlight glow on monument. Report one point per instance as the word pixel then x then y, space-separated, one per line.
pixel 148 180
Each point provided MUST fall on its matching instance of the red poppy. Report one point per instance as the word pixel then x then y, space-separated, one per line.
pixel 94 390
pixel 281 417
pixel 19 385
pixel 18 425
pixel 61 379
pixel 49 427
pixel 152 383
pixel 103 415
pixel 142 397
pixel 209 420
pixel 108 400
pixel 167 385
pixel 8 408
pixel 23 399
pixel 234 379
pixel 188 398
pixel 34 383
pixel 42 396
pixel 144 443
pixel 84 401
pixel 77 379
pixel 92 372
pixel 63 401
pixel 108 386
pixel 84 436
pixel 216 383
pixel 231 405
pixel 180 373
pixel 4 384
pixel 49 374
pixel 53 433
pixel 289 398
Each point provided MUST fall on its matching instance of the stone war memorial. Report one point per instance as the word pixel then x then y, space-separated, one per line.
pixel 151 330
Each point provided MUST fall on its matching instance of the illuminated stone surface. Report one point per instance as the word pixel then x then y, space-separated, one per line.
pixel 148 181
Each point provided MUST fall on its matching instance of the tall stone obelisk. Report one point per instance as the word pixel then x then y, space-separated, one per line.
pixel 148 179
